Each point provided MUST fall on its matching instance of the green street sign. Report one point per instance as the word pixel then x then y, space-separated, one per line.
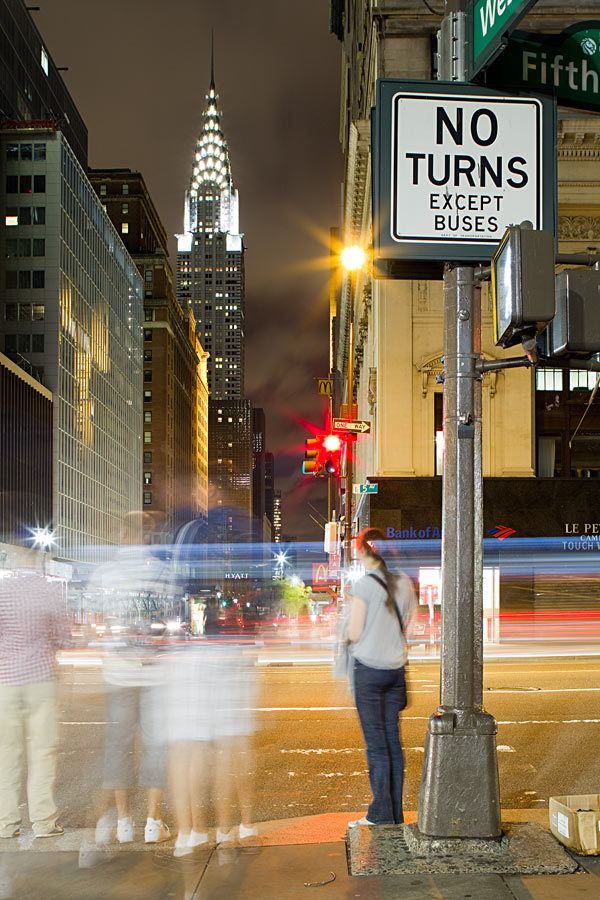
pixel 491 21
pixel 365 488
pixel 566 65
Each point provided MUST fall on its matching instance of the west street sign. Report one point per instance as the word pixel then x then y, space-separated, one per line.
pixel 454 165
pixel 490 22
pixel 567 64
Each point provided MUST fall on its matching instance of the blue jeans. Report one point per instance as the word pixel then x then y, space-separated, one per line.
pixel 380 696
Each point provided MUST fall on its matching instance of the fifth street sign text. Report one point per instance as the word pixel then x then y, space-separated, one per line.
pixel 464 168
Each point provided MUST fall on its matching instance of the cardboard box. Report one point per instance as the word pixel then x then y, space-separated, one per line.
pixel 575 822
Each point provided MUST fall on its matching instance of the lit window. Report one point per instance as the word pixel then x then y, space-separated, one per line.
pixel 103 190
pixel 548 379
pixel 147 396
pixel 44 60
pixel 124 227
pixel 12 216
pixel 124 189
pixel 147 497
pixel 124 208
pixel 148 417
pixel 147 437
pixel 147 477
pixel 581 378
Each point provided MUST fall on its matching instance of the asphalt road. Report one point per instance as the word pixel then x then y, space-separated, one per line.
pixel 308 748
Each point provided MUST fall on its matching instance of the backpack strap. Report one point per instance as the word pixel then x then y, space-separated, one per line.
pixel 383 584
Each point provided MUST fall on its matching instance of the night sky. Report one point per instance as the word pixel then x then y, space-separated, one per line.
pixel 138 72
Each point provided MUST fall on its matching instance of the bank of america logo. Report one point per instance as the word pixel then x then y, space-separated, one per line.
pixel 501 532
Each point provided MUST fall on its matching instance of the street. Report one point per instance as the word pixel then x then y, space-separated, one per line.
pixel 309 752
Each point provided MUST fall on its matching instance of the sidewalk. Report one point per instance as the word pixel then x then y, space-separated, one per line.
pixel 289 859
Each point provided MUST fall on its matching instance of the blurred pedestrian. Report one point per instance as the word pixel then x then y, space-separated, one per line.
pixel 33 626
pixel 382 605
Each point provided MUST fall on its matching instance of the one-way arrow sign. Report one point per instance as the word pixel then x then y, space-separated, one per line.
pixel 347 426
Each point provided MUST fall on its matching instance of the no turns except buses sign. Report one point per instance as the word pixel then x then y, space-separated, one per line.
pixel 455 165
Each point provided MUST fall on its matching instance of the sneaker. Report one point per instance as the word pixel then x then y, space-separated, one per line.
pixel 247 832
pixel 56 831
pixel 182 847
pixel 225 837
pixel 104 829
pixel 156 832
pixel 363 821
pixel 12 834
pixel 197 838
pixel 125 831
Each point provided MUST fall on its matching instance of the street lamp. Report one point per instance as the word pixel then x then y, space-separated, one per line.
pixel 44 539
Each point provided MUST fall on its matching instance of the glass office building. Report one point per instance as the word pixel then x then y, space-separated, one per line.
pixel 72 314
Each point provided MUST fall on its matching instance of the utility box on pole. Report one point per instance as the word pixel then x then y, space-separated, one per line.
pixel 575 329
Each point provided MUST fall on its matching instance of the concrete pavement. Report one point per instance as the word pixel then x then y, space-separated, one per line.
pixel 288 859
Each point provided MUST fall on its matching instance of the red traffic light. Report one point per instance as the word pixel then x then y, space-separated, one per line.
pixel 322 455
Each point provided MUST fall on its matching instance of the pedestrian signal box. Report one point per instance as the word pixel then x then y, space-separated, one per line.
pixel 522 284
pixel 575 329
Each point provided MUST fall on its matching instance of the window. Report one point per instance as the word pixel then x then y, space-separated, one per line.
pixel 44 60
pixel 147 394
pixel 39 184
pixel 10 278
pixel 12 216
pixel 147 374
pixel 25 312
pixel 24 246
pixel 147 456
pixel 24 184
pixel 124 227
pixel 39 152
pixel 147 355
pixel 103 190
pixel 124 208
pixel 39 278
pixel 124 189
pixel 148 315
pixel 10 343
pixel 24 343
pixel 147 497
pixel 26 152
pixel 581 378
pixel 39 247
pixel 11 311
pixel 548 379
pixel 147 477
pixel 38 214
pixel 12 151
pixel 11 248
pixel 148 275
pixel 148 417
pixel 25 279
pixel 147 437
pixel 38 312
pixel 12 184
pixel 37 343
pixel 147 334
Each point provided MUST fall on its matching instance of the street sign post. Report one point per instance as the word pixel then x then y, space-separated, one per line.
pixel 456 165
pixel 491 21
pixel 345 426
pixel 568 64
pixel 365 488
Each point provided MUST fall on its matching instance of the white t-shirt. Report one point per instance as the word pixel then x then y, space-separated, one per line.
pixel 382 645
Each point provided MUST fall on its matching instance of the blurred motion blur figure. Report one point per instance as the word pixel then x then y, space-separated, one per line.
pixel 212 694
pixel 134 699
pixel 33 626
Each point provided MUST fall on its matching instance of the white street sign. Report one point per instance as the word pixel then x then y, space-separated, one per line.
pixel 464 167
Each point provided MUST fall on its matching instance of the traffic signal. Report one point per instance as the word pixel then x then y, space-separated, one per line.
pixel 332 449
pixel 575 329
pixel 522 284
pixel 312 453
pixel 322 455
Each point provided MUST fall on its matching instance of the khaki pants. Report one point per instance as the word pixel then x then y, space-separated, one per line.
pixel 28 723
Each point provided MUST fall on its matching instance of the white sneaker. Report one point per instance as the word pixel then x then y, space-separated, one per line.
pixel 225 837
pixel 246 832
pixel 125 831
pixel 104 829
pixel 197 838
pixel 182 847
pixel 156 831
pixel 363 821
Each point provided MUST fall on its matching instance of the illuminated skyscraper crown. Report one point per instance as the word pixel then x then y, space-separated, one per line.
pixel 212 170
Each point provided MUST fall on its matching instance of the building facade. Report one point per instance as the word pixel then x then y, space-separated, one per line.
pixel 175 389
pixel 528 417
pixel 72 315
pixel 210 283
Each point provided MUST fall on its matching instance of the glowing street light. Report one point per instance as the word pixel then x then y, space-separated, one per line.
pixel 44 539
pixel 353 258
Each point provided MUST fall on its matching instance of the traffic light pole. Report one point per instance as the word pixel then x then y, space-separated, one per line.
pixel 349 467
pixel 460 794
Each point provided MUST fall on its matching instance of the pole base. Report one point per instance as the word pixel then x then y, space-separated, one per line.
pixel 460 792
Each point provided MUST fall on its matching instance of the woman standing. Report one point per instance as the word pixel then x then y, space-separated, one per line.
pixel 382 604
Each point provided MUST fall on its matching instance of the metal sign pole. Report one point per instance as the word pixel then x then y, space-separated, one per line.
pixel 460 794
